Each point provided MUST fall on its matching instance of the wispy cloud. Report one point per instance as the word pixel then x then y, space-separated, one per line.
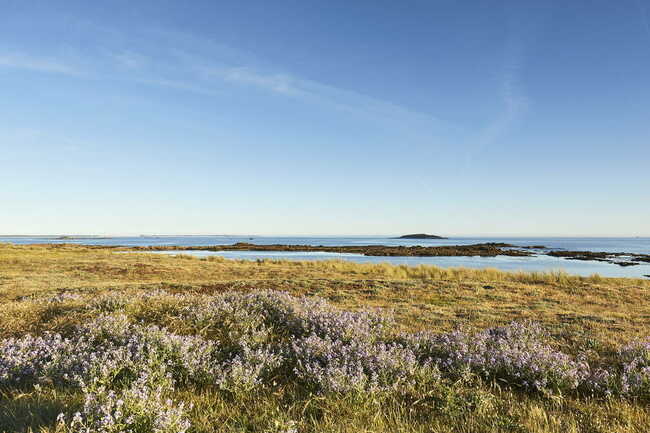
pixel 39 64
pixel 196 55
pixel 184 62
pixel 279 83
pixel 513 100
pixel 130 60
pixel 31 141
pixel 274 82
pixel 180 85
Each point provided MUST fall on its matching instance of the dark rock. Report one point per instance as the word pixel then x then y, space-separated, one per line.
pixel 420 236
pixel 490 249
pixel 621 259
pixel 483 250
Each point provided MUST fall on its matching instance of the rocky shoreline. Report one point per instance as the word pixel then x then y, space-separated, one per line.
pixel 483 250
pixel 621 259
pixel 489 249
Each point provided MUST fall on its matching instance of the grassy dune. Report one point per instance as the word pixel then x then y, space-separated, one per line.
pixel 60 288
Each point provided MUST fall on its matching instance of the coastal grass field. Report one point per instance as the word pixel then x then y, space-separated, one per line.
pixel 61 289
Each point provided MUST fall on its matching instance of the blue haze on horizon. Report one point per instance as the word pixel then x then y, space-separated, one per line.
pixel 305 117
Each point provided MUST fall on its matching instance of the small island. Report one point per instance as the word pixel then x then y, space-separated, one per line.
pixel 420 236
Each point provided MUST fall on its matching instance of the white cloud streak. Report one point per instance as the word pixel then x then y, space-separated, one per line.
pixel 513 100
pixel 187 63
pixel 38 64
pixel 130 60
pixel 277 83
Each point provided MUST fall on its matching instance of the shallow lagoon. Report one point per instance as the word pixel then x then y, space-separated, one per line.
pixel 640 245
pixel 506 263
pixel 535 263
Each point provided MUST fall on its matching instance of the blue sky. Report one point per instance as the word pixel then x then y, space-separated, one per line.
pixel 305 117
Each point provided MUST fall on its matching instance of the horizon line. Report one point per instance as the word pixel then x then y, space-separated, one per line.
pixel 450 236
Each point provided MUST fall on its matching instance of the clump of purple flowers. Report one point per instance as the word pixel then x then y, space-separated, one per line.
pixel 635 374
pixel 248 368
pixel 124 370
pixel 32 359
pixel 344 325
pixel 109 302
pixel 335 365
pixel 630 377
pixel 233 318
pixel 64 297
pixel 109 347
pixel 258 318
pixel 142 407
pixel 515 354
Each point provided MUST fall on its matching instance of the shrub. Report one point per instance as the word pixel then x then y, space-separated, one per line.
pixel 515 354
pixel 328 365
pixel 140 408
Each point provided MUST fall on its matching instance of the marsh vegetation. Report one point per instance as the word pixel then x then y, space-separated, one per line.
pixel 97 341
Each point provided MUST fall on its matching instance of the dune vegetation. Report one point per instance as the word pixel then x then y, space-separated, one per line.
pixel 92 340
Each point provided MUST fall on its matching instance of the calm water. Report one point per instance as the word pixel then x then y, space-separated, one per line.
pixel 537 263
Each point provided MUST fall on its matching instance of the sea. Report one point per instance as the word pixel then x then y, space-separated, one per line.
pixel 540 262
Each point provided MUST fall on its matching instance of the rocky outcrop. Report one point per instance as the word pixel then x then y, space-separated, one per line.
pixel 420 236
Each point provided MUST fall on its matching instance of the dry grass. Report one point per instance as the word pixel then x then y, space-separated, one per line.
pixel 605 309
pixel 582 312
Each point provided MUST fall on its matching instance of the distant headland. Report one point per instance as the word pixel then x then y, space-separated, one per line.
pixel 420 236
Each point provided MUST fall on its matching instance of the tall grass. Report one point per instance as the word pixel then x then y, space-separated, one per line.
pixel 432 272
